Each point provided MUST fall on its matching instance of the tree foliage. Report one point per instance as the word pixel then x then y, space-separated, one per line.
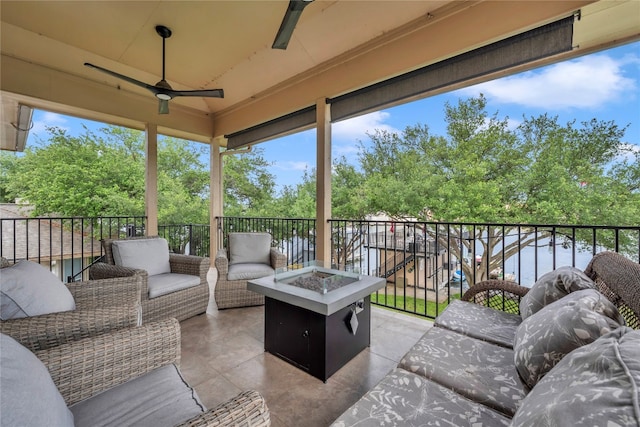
pixel 249 187
pixel 102 174
pixel 483 171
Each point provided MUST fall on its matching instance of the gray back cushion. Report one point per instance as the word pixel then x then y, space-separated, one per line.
pixel 595 385
pixel 543 339
pixel 151 255
pixel 249 248
pixel 29 289
pixel 552 286
pixel 28 396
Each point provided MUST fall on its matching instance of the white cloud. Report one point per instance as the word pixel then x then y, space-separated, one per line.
pixel 358 127
pixel 48 120
pixel 293 166
pixel 629 153
pixel 347 133
pixel 587 82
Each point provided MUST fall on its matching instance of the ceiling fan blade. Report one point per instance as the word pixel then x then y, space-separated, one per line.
pixel 163 106
pixel 205 93
pixel 294 10
pixel 123 77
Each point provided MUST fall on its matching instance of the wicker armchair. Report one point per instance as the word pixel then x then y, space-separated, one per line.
pixel 101 369
pixel 101 306
pixel 231 287
pixel 181 304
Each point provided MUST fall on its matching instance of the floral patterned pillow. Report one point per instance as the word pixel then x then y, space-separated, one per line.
pixel 595 385
pixel 544 338
pixel 552 286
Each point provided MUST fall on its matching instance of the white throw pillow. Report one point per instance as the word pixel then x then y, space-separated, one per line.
pixel 151 255
pixel 29 289
pixel 28 396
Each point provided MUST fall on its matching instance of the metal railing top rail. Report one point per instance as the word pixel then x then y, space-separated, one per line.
pixel 487 224
pixel 68 244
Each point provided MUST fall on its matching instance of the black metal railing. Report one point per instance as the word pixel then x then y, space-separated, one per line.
pixel 68 245
pixel 425 264
pixel 190 239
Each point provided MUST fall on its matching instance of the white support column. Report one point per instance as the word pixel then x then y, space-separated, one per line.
pixel 323 181
pixel 151 179
pixel 215 194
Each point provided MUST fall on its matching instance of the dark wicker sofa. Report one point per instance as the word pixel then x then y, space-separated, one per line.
pixel 572 362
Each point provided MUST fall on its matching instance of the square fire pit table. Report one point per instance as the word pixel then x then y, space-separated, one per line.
pixel 316 318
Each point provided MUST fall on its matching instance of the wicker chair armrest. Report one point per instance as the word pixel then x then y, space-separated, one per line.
pixel 495 285
pixel 51 330
pixel 102 270
pixel 503 295
pixel 84 368
pixel 190 264
pixel 278 259
pixel 618 278
pixel 246 409
pixel 222 262
pixel 118 291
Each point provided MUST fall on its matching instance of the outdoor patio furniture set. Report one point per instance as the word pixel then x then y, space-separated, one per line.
pixel 570 357
pixel 107 351
pixel 93 356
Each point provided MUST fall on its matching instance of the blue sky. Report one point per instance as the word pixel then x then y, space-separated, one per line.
pixel 604 85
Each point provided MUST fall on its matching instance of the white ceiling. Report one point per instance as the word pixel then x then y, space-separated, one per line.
pixel 337 46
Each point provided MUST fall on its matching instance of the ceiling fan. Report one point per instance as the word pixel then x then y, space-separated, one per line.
pixel 294 10
pixel 162 90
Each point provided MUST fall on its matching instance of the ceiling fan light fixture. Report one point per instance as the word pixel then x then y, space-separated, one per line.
pixel 163 96
pixel 163 106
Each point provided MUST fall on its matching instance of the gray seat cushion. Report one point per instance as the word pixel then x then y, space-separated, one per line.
pixel 253 248
pixel 159 398
pixel 595 385
pixel 480 322
pixel 29 289
pixel 163 284
pixel 406 399
pixel 480 371
pixel 248 271
pixel 28 396
pixel 151 255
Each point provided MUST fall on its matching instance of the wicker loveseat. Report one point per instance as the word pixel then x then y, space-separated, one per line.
pixel 181 302
pixel 100 306
pixel 563 360
pixel 248 256
pixel 127 377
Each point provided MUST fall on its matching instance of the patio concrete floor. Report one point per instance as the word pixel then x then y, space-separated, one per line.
pixel 223 354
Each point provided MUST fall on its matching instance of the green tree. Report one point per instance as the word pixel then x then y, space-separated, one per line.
pixel 78 176
pixel 482 171
pixel 249 187
pixel 102 174
pixel 347 203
